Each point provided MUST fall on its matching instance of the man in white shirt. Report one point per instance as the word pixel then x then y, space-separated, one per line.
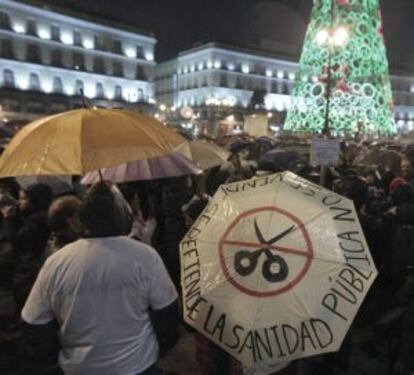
pixel 111 296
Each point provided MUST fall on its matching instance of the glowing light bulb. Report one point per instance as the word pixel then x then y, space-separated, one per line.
pixel 322 37
pixel 340 36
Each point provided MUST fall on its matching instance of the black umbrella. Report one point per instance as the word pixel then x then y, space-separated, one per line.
pixel 238 146
pixel 277 160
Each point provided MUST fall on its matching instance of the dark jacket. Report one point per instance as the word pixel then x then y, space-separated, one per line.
pixel 406 298
pixel 29 245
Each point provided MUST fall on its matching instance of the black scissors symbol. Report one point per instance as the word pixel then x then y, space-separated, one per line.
pixel 274 269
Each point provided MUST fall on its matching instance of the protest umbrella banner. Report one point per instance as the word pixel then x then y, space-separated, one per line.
pixel 275 269
pixel 256 125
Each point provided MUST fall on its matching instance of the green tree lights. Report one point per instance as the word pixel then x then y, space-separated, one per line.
pixel 343 83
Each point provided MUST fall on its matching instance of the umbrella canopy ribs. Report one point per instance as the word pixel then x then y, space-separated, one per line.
pixel 275 269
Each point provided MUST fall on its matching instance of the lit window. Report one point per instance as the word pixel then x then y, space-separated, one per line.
pixel 78 87
pixel 44 32
pixel 140 95
pixel 100 90
pixel 280 74
pixel 77 38
pixel 19 26
pixel 34 82
pixel 269 73
pixel 131 52
pixel 88 42
pixel 200 66
pixel 149 55
pixel 8 78
pixel 118 92
pixel 245 68
pixel 217 64
pixel 231 66
pixel 209 64
pixel 66 37
pixel 90 90
pixel 57 85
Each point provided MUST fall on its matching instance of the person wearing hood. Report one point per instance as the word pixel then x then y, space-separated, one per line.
pixel 109 297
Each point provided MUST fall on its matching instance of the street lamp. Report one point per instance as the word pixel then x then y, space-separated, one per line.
pixel 331 38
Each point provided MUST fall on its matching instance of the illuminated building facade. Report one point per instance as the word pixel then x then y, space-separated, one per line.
pixel 218 81
pixel 47 59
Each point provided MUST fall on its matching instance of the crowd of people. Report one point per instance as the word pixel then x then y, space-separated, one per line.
pixel 90 279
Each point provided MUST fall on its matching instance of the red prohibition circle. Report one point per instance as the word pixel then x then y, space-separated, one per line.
pixel 308 253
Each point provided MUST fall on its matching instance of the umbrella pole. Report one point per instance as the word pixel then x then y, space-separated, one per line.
pixel 100 175
pixel 323 171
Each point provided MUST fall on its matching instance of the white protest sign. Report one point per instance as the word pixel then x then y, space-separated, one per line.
pixel 256 125
pixel 325 152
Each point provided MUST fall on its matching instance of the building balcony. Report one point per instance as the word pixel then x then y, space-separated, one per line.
pixel 108 53
pixel 28 105
pixel 119 74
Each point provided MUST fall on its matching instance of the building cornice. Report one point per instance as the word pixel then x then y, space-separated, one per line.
pixel 237 51
pixel 56 15
pixel 84 50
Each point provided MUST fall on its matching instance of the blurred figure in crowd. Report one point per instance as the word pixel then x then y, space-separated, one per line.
pixel 64 222
pixel 31 239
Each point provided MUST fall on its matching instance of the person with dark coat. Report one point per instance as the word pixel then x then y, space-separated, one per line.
pixel 402 235
pixel 31 239
pixel 109 297
pixel 405 298
pixel 407 169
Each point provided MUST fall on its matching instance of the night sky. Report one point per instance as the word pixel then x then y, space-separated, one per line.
pixel 275 25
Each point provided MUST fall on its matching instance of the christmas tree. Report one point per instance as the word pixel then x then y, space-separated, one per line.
pixel 343 86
